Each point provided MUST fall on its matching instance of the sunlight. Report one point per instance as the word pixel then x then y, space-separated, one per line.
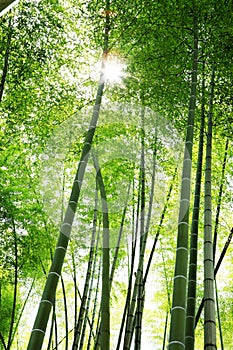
pixel 114 71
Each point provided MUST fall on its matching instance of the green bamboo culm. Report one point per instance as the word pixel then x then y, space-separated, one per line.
pixel 80 324
pixel 219 316
pixel 220 199
pixel 130 320
pixel 220 260
pixel 178 310
pixel 96 295
pixel 209 298
pixel 105 293
pixel 48 297
pixel 143 239
pixel 191 297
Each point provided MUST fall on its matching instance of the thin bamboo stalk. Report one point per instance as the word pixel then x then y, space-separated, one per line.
pixel 47 301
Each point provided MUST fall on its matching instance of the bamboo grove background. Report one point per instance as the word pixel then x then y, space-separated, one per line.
pixel 116 192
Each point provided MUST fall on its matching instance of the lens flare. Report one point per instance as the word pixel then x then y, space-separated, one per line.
pixel 114 70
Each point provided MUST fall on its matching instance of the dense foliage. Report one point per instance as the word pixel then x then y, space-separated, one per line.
pixel 50 69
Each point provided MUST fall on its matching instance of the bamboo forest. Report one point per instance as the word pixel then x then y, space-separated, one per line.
pixel 116 166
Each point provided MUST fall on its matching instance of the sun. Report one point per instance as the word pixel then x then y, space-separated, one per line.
pixel 114 71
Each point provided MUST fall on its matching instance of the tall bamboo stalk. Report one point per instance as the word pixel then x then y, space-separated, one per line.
pixel 168 300
pixel 223 253
pixel 143 238
pixel 220 199
pixel 219 316
pixel 95 299
pixel 65 313
pixel 6 59
pixel 91 271
pixel 113 268
pixel 105 295
pixel 209 298
pixel 178 311
pixel 48 297
pixel 131 267
pixel 192 277
pixel 159 227
pixel 15 293
pixel 81 316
